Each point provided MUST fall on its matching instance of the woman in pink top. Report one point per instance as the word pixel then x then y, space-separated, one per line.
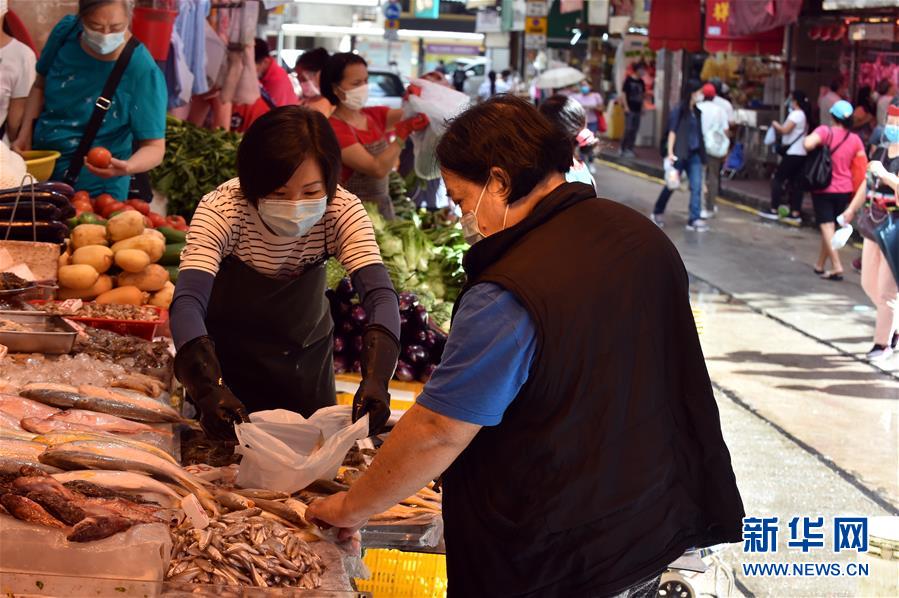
pixel 832 200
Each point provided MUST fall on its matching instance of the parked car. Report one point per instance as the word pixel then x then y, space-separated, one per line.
pixel 475 70
pixel 385 89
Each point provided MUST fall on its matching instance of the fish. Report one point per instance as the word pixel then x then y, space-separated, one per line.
pixel 55 438
pixel 64 510
pixel 102 454
pixel 101 400
pixel 102 507
pixel 25 509
pixel 124 483
pixel 97 528
pixel 233 501
pixel 17 453
pixel 255 493
pixel 10 434
pixel 20 407
pixel 282 511
pixel 79 420
pixel 142 383
pixel 10 422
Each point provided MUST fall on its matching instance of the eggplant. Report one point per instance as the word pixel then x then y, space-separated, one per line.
pixel 340 365
pixel 427 372
pixel 420 337
pixel 346 328
pixel 357 343
pixel 42 210
pixel 345 289
pixel 404 321
pixel 55 186
pixel 416 355
pixel 419 317
pixel 404 372
pixel 358 315
pixel 67 210
pixel 430 339
pixel 45 232
pixel 409 297
pixel 339 344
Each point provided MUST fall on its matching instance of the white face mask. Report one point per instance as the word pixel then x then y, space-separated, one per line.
pixel 471 230
pixel 292 218
pixel 309 89
pixel 356 97
pixel 103 43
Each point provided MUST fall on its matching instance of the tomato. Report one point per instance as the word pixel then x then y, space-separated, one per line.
pixel 103 200
pixel 148 223
pixel 156 219
pixel 139 205
pixel 83 205
pixel 80 195
pixel 115 206
pixel 99 157
pixel 175 221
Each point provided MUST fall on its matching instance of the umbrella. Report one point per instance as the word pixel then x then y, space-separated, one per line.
pixel 559 77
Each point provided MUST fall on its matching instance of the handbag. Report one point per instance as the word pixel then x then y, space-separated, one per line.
pixel 817 171
pixel 601 124
pixel 868 219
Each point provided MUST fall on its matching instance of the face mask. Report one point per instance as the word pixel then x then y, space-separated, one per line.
pixel 356 97
pixel 103 43
pixel 292 218
pixel 470 228
pixel 585 90
pixel 891 133
pixel 309 89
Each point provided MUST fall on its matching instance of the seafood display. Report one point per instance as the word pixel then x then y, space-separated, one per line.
pixel 246 548
pixel 108 311
pixel 134 354
pixel 128 405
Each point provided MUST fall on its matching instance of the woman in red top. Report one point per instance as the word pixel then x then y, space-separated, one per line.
pixel 368 150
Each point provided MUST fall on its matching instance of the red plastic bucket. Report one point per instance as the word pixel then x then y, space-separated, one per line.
pixel 153 27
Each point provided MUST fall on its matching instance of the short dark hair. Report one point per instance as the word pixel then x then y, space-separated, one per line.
pixel 262 50
pixel 313 60
pixel 278 142
pixel 836 83
pixel 883 87
pixel 690 87
pixel 567 114
pixel 85 7
pixel 332 74
pixel 506 132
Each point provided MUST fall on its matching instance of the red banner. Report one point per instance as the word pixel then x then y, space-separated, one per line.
pixel 718 37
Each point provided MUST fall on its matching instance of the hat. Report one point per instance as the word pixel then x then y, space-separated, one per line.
pixel 708 90
pixel 841 110
pixel 893 110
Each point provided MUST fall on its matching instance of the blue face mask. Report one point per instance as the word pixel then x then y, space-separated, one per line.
pixel 891 133
pixel 585 90
pixel 103 43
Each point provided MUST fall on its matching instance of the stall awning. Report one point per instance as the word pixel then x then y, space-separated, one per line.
pixel 718 37
pixel 675 25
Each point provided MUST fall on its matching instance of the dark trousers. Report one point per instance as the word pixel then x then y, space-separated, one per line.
pixel 712 181
pixel 692 166
pixel 787 175
pixel 631 126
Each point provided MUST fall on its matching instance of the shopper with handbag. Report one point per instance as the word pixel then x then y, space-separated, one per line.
pixel 875 204
pixel 792 154
pixel 97 86
pixel 828 175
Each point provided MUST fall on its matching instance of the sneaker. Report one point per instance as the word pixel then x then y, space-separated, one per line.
pixel 699 226
pixel 879 353
pixel 706 214
pixel 768 214
pixel 783 211
pixel 792 220
pixel 658 220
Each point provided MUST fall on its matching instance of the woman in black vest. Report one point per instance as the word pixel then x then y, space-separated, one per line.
pixel 572 465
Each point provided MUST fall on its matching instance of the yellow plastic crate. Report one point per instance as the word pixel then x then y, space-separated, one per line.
pixel 396 574
pixel 402 394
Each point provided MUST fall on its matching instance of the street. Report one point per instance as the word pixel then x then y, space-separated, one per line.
pixel 813 429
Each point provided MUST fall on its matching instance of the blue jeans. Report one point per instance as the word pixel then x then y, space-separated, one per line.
pixel 693 168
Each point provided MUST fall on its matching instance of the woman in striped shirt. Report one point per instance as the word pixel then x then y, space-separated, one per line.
pixel 250 319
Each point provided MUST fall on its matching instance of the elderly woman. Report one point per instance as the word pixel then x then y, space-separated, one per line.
pixel 572 466
pixel 72 72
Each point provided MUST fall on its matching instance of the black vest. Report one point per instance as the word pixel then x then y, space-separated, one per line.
pixel 610 461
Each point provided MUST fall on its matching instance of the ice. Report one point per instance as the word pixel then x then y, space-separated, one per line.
pixel 20 369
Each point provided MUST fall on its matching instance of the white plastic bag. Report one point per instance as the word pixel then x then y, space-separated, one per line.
pixel 440 104
pixel 672 175
pixel 284 451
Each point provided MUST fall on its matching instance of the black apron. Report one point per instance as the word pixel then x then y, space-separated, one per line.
pixel 273 337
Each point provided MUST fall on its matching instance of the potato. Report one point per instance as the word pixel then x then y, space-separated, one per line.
pixel 78 277
pixel 132 260
pixel 122 296
pixel 88 234
pixel 103 284
pixel 163 297
pixel 148 243
pixel 125 225
pixel 152 278
pixel 96 256
pixel 155 233
pixel 64 259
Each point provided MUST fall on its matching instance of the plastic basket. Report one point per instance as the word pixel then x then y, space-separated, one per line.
pixel 402 394
pixel 40 163
pixel 146 330
pixel 396 574
pixel 153 27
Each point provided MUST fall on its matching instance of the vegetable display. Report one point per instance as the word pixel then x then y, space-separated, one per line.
pixel 421 344
pixel 196 161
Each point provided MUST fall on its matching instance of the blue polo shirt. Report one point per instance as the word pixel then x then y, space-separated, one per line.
pixel 487 359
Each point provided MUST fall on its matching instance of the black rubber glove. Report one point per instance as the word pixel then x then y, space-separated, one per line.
pixel 198 369
pixel 380 350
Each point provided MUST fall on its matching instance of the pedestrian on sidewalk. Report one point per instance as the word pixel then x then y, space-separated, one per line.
pixel 686 151
pixel 715 132
pixel 567 115
pixel 634 92
pixel 874 202
pixel 792 151
pixel 827 97
pixel 832 200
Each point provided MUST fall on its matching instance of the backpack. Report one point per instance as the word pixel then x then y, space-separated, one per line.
pixel 818 168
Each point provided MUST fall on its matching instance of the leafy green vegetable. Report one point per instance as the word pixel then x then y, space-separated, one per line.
pixel 334 273
pixel 196 161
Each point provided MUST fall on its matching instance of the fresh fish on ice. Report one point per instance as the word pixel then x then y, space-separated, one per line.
pixel 56 438
pixel 55 395
pixel 97 528
pixel 9 422
pixel 26 509
pixel 20 407
pixel 125 483
pixel 80 420
pixel 94 398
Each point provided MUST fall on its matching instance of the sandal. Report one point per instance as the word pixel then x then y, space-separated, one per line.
pixel 835 276
pixel 819 272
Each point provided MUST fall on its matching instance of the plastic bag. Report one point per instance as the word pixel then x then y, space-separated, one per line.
pixel 440 104
pixel 284 451
pixel 672 175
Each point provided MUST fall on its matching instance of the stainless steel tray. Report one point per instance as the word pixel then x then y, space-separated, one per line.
pixel 47 334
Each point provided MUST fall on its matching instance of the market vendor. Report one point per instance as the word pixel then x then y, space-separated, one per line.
pixel 72 73
pixel 571 416
pixel 249 318
pixel 371 137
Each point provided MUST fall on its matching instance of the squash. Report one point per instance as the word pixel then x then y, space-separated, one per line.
pixel 122 296
pixel 96 256
pixel 132 260
pixel 79 277
pixel 88 234
pixel 163 297
pixel 152 278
